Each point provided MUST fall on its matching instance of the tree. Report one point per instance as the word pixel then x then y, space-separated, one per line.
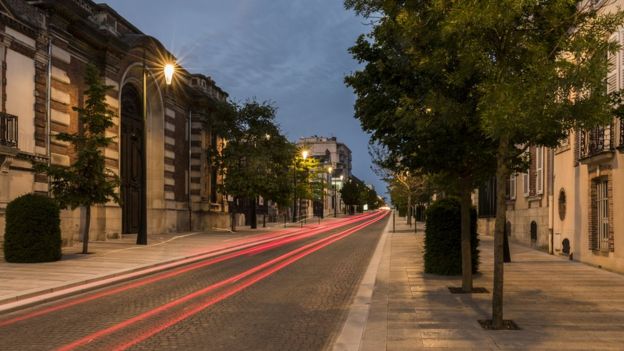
pixel 419 105
pixel 542 68
pixel 256 156
pixel 354 193
pixel 306 181
pixel 529 71
pixel 87 181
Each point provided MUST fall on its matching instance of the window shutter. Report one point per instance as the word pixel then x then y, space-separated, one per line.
pixel 612 76
pixel 525 184
pixel 512 187
pixel 539 170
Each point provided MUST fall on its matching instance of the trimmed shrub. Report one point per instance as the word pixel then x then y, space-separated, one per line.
pixel 33 230
pixel 443 238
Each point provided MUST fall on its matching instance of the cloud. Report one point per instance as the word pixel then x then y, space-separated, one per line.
pixel 293 52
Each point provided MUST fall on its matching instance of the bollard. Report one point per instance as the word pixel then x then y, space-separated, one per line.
pixel 393 221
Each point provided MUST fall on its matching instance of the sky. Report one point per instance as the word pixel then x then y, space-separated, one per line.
pixel 291 52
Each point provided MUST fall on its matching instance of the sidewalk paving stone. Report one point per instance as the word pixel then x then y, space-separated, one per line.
pixel 557 303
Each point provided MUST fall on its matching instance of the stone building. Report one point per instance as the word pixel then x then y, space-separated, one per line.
pixel 529 198
pixel 583 193
pixel 330 153
pixel 45 47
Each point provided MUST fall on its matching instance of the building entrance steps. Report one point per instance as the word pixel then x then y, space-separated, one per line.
pixel 557 303
pixel 114 261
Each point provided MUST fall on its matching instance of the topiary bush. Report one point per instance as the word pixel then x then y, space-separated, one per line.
pixel 443 238
pixel 32 230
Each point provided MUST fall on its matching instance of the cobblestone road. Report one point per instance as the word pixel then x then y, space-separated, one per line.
pixel 298 307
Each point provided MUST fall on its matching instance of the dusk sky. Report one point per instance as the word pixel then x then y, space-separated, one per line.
pixel 293 52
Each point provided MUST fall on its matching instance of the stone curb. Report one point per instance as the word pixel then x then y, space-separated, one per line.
pixel 352 331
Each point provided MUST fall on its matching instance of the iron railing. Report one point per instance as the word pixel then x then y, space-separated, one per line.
pixel 8 130
pixel 596 141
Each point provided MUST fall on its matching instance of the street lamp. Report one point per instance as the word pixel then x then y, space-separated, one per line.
pixel 169 70
pixel 304 155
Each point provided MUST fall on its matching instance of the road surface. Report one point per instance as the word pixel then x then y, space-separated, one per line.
pixel 287 290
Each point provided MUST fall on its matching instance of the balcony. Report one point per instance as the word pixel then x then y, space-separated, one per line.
pixel 596 145
pixel 8 131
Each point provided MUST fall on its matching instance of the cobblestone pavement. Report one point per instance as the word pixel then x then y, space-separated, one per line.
pixel 299 307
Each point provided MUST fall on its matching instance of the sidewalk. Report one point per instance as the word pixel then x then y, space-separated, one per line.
pixel 557 303
pixel 110 262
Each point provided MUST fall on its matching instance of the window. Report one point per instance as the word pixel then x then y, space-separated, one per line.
pixel 525 184
pixel 511 187
pixel 602 212
pixel 539 170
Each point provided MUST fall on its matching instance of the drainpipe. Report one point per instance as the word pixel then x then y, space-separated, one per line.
pixel 551 201
pixel 49 107
pixel 188 177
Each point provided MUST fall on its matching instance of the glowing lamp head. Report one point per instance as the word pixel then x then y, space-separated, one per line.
pixel 330 170
pixel 169 70
pixel 341 177
pixel 304 154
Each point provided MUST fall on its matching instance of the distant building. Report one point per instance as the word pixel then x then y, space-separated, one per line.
pixel 330 153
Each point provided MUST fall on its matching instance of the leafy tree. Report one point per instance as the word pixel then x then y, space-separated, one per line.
pixel 354 193
pixel 420 106
pixel 535 70
pixel 542 68
pixel 256 156
pixel 306 181
pixel 87 181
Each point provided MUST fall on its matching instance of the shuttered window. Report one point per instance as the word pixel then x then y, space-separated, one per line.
pixel 539 170
pixel 602 207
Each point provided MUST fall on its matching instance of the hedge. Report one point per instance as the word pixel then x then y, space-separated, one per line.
pixel 443 238
pixel 32 232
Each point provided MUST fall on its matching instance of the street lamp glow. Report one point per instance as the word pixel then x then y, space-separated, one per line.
pixel 341 177
pixel 304 154
pixel 330 170
pixel 267 136
pixel 169 70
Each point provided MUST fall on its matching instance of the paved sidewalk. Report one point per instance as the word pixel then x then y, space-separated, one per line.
pixel 109 261
pixel 558 304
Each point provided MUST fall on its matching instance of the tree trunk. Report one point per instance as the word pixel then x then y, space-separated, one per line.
pixel 254 216
pixel 466 249
pixel 85 233
pixel 409 209
pixel 502 174
pixel 233 220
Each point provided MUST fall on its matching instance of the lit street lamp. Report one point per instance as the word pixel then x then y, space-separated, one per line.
pixel 169 70
pixel 304 155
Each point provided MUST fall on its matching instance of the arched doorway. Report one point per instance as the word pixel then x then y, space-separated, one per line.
pixel 131 158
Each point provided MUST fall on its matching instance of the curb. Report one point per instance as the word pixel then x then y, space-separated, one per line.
pixel 352 331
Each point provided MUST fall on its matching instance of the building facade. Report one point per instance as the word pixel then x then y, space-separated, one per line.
pixel 576 211
pixel 529 202
pixel 45 48
pixel 334 155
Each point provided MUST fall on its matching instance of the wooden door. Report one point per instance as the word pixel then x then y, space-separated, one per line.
pixel 131 158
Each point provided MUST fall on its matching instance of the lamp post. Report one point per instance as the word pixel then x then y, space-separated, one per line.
pixel 304 155
pixel 336 194
pixel 333 183
pixel 168 69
